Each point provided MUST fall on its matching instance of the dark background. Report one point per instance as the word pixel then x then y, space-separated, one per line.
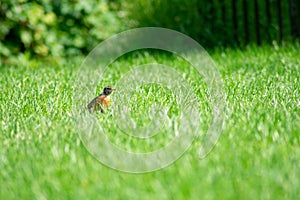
pixel 67 28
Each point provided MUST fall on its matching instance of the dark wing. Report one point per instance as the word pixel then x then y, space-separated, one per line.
pixel 92 103
pixel 97 103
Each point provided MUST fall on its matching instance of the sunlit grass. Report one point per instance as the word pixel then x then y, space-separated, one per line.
pixel 257 156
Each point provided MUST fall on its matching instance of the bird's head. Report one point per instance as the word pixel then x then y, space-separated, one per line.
pixel 108 90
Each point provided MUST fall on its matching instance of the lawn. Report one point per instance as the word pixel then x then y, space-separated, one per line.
pixel 256 157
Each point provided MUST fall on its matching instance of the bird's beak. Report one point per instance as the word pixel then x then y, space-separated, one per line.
pixel 113 89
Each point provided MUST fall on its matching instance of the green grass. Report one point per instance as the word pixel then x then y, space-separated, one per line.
pixel 257 156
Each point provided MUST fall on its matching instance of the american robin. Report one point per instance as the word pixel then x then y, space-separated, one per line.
pixel 102 101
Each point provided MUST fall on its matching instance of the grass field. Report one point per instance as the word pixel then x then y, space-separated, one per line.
pixel 256 157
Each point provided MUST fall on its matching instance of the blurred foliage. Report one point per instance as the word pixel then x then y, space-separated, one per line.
pixel 54 27
pixel 73 27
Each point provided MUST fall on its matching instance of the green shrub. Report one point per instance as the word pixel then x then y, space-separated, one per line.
pixel 53 27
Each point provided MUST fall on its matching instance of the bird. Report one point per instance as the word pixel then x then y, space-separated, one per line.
pixel 102 101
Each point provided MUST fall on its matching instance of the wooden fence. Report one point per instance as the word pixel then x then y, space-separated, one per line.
pixel 260 21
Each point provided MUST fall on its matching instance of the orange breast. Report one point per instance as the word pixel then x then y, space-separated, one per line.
pixel 104 101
